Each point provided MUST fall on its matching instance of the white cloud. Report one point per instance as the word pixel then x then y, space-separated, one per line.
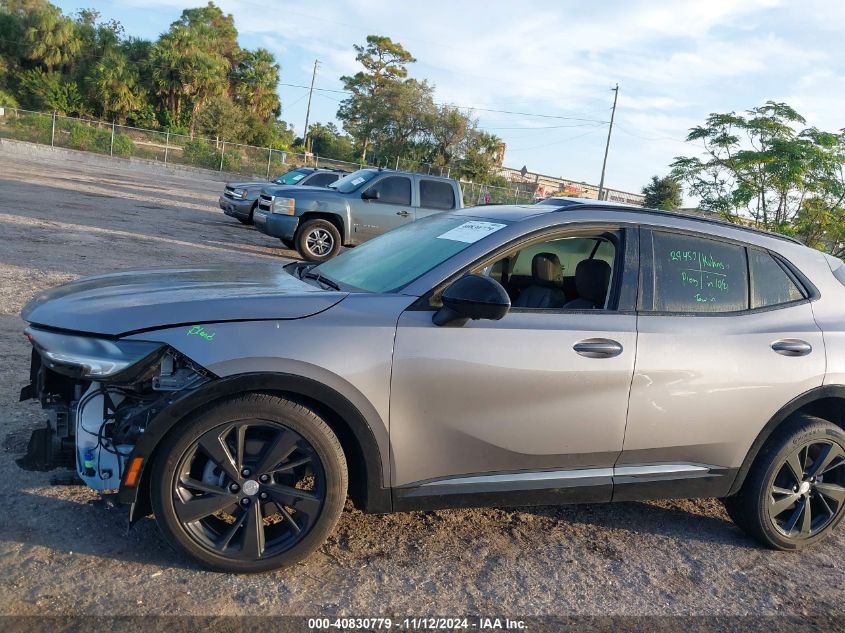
pixel 675 62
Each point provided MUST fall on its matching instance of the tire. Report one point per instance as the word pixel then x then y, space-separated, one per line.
pixel 317 240
pixel 772 504
pixel 277 497
pixel 248 219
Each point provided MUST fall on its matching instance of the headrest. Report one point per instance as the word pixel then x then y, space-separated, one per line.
pixel 545 268
pixel 591 280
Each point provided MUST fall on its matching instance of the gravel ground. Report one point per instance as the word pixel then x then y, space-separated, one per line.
pixel 62 553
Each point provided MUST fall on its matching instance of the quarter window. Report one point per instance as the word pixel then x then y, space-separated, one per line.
pixel 693 274
pixel 436 194
pixel 770 284
pixel 393 190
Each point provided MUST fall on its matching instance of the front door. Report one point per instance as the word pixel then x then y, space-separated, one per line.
pixel 385 205
pixel 535 400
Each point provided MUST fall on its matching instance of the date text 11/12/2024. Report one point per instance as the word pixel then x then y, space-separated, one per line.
pixel 417 624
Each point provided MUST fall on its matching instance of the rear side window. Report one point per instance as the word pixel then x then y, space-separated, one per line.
pixel 393 190
pixel 436 194
pixel 771 285
pixel 693 274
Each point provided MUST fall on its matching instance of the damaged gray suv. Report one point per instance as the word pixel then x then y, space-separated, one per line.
pixel 489 356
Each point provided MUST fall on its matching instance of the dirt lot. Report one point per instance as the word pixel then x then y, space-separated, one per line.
pixel 59 553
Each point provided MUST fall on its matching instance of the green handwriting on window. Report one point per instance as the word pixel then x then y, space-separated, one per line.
pixel 704 275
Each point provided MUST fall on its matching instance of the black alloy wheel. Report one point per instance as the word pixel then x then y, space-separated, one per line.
pixel 794 493
pixel 807 492
pixel 253 487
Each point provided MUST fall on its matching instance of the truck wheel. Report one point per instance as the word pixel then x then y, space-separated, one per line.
pixel 252 483
pixel 317 240
pixel 794 494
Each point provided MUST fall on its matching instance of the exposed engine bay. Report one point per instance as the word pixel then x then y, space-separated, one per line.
pixel 94 423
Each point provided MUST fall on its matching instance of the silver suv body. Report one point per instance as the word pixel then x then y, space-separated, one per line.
pixel 495 355
pixel 356 208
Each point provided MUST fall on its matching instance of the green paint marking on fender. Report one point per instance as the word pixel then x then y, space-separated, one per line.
pixel 200 331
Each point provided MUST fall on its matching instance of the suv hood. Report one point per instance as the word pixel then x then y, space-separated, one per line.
pixel 301 191
pixel 246 185
pixel 120 303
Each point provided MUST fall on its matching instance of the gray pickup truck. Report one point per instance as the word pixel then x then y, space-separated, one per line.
pixel 239 199
pixel 358 207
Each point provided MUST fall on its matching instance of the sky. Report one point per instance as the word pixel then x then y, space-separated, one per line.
pixel 552 65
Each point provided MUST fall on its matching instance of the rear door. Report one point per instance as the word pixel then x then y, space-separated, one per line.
pixel 726 337
pixel 435 196
pixel 391 209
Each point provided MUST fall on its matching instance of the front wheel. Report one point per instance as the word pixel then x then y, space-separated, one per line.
pixel 794 494
pixel 317 240
pixel 251 484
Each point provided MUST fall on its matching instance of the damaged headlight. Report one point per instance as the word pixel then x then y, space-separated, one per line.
pixel 90 357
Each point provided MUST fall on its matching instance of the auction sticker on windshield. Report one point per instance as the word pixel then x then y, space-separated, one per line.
pixel 357 181
pixel 470 232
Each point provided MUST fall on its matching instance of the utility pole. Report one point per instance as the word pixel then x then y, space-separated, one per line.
pixel 607 147
pixel 308 109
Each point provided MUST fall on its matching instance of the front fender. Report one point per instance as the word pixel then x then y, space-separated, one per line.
pixel 374 497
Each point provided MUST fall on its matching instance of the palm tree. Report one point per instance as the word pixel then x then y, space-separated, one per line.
pixel 114 84
pixel 255 81
pixel 50 38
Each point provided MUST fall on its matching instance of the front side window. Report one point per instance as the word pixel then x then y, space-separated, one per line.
pixel 321 180
pixel 770 283
pixel 696 274
pixel 393 190
pixel 436 194
pixel 565 273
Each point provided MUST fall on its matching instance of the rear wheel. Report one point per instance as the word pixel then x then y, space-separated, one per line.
pixel 251 484
pixel 317 240
pixel 794 494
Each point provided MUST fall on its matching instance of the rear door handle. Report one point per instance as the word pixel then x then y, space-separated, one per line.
pixel 598 348
pixel 792 347
pixel 404 214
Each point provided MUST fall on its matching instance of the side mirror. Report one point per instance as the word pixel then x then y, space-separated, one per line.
pixel 472 297
pixel 370 194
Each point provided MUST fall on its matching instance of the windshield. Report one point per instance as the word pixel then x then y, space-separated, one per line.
pixel 396 258
pixel 353 181
pixel 290 178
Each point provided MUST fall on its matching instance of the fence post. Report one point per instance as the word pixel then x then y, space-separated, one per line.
pixel 111 146
pixel 316 161
pixel 53 133
pixel 397 163
pixel 222 154
pixel 166 146
pixel 269 158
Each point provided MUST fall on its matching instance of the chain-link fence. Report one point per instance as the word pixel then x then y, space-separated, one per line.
pixel 233 158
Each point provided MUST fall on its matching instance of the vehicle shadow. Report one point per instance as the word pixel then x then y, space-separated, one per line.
pixel 676 519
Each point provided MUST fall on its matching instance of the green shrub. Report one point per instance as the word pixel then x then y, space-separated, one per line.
pixel 201 154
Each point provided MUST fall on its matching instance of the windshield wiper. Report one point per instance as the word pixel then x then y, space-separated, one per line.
pixel 320 279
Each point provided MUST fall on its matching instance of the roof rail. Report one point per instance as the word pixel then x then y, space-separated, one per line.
pixel 688 216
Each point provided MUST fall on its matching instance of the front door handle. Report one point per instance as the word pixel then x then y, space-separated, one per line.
pixel 404 214
pixel 792 347
pixel 598 348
